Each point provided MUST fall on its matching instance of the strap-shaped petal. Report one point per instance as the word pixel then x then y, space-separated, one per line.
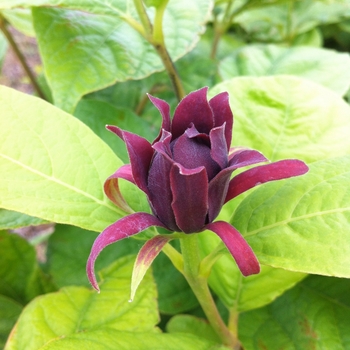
pixel 111 187
pixel 160 195
pixel 140 153
pixel 237 246
pixel 123 228
pixel 219 185
pixel 144 259
pixel 164 109
pixel 222 114
pixel 194 108
pixel 218 146
pixel 282 169
pixel 190 197
pixel 217 192
pixel 241 157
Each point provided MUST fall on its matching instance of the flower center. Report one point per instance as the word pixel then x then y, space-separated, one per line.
pixel 193 153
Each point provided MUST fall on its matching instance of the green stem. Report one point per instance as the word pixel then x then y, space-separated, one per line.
pixel 147 25
pixel 233 326
pixel 199 285
pixel 154 35
pixel 171 70
pixel 174 256
pixel 20 57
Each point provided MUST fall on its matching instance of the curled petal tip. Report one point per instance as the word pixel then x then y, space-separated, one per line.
pixel 91 273
pixel 123 228
pixel 237 246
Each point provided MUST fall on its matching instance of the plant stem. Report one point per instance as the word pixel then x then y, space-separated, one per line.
pixel 154 35
pixel 146 23
pixel 199 285
pixel 171 70
pixel 21 57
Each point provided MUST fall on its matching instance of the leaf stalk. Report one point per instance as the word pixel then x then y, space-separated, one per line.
pixel 21 58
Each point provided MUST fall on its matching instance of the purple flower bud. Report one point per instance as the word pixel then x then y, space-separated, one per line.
pixel 186 175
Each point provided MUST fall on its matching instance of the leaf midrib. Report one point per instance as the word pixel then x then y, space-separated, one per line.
pixel 61 183
pixel 295 219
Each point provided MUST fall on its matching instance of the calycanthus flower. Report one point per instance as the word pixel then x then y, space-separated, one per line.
pixel 186 175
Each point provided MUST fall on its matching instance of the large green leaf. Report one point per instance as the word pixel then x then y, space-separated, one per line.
pixel 288 117
pixel 326 67
pixel 87 50
pixel 53 166
pixel 77 317
pixel 302 224
pixel 21 277
pixel 313 315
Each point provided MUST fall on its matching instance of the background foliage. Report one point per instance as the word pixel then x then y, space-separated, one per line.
pixel 286 67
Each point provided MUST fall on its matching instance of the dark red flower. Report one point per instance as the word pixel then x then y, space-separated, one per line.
pixel 186 175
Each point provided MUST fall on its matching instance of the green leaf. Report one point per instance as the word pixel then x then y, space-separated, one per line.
pixel 97 114
pixel 87 50
pixel 326 67
pixel 193 325
pixel 52 165
pixel 285 21
pixel 76 317
pixel 288 117
pixel 311 38
pixel 9 313
pixel 20 275
pixel 309 228
pixel 112 339
pixel 313 315
pixel 11 219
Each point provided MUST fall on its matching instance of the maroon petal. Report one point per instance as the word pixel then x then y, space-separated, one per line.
pixel 218 146
pixel 123 228
pixel 144 259
pixel 222 114
pixel 111 187
pixel 282 169
pixel 190 197
pixel 219 185
pixel 164 110
pixel 194 108
pixel 160 195
pixel 237 246
pixel 218 188
pixel 242 157
pixel 140 153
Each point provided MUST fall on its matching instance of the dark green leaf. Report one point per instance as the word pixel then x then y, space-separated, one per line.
pixel 312 315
